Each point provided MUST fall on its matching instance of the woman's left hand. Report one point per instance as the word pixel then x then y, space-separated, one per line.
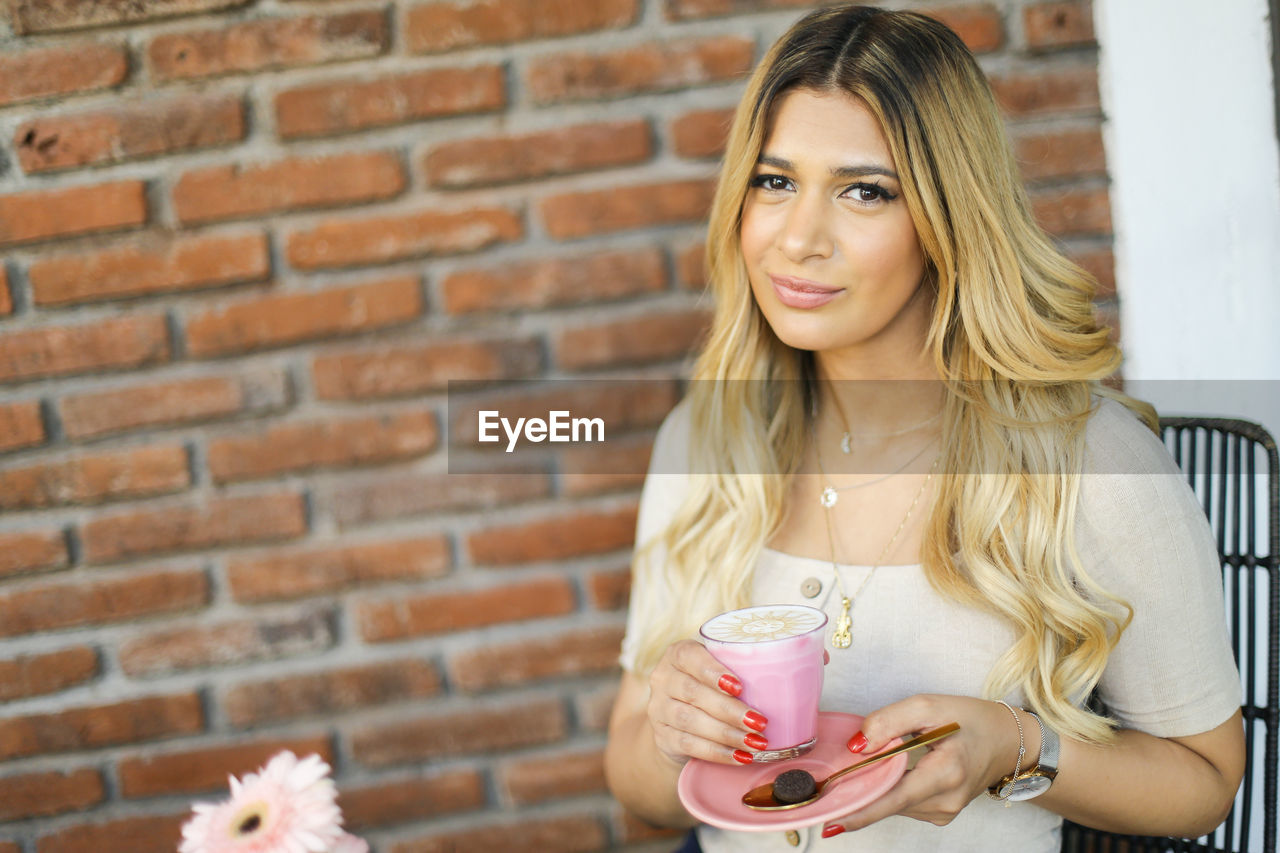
pixel 953 771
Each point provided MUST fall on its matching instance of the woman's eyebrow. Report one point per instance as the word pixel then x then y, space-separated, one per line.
pixel 836 172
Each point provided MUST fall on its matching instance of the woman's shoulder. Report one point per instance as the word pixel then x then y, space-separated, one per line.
pixel 1117 441
pixel 671 444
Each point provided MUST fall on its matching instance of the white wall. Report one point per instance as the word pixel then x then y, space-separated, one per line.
pixel 1191 148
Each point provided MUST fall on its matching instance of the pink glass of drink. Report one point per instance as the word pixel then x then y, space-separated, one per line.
pixel 776 651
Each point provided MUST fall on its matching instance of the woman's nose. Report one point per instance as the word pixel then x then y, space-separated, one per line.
pixel 805 232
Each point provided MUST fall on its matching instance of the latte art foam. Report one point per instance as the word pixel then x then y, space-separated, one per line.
pixel 763 624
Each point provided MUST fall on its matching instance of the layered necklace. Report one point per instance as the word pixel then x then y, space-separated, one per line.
pixel 842 638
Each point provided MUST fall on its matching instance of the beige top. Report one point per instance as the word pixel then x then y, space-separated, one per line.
pixel 1140 534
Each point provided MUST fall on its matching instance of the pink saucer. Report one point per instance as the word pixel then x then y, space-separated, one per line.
pixel 713 792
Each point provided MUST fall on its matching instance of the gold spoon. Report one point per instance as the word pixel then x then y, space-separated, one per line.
pixel 762 798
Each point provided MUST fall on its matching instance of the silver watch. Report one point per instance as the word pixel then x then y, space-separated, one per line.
pixel 1037 780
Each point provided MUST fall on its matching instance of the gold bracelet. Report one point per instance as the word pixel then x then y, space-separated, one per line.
pixel 993 791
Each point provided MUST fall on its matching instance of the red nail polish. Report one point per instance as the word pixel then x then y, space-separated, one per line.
pixel 831 830
pixel 729 684
pixel 741 756
pixel 858 742
pixel 752 720
pixel 755 741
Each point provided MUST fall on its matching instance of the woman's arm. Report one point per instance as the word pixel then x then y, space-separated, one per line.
pixel 686 709
pixel 1141 784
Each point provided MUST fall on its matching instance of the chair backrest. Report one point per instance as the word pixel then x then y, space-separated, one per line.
pixel 1232 467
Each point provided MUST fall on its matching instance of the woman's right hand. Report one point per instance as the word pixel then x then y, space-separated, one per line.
pixel 694 712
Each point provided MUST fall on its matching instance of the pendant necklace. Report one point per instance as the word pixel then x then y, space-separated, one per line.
pixel 846 440
pixel 842 638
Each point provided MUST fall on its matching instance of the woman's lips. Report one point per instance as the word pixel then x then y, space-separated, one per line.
pixel 802 293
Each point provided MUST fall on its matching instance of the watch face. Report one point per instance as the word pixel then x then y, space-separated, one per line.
pixel 1028 787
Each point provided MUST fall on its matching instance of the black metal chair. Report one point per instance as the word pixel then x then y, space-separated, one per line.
pixel 1223 460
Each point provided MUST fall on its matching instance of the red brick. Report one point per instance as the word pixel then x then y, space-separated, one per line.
pixel 635 405
pixel 403 800
pixel 96 479
pixel 563 834
pixel 438 613
pixel 21 553
pixel 226 644
pixel 43 794
pixel 39 16
pixel 428 367
pixel 330 108
pixel 649 337
pixel 288 318
pixel 979 25
pixel 10 847
pixel 580 214
pixel 199 770
pixel 151 267
pixel 701 133
pixel 331 692
pixel 6 295
pixel 220 522
pixel 129 132
pixel 683 10
pixel 652 67
pixel 556 281
pixel 132 721
pixel 691 267
pixel 356 242
pixel 293 447
pixel 609 589
pixel 49 214
pixel 1061 154
pixel 615 465
pixel 267 43
pixel 67 605
pixel 171 403
pixel 1069 91
pixel 40 674
pixel 634 830
pixel 587 652
pixel 1101 264
pixel 550 777
pixel 1073 212
pixel 21 425
pixel 501 159
pixel 592 708
pixel 426 494
pixel 50 72
pixel 571 535
pixel 231 191
pixel 152 834
pixel 283 575
pixel 113 344
pixel 440 26
pixel 1058 24
pixel 476 729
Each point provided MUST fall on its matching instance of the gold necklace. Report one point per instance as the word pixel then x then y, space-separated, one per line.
pixel 846 440
pixel 842 638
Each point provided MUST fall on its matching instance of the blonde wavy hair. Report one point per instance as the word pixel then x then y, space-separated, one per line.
pixel 1012 334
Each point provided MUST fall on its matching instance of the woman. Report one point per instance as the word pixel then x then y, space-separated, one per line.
pixel 919 444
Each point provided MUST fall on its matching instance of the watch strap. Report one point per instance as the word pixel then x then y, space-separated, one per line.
pixel 1050 747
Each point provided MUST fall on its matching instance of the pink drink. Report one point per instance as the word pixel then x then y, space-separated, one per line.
pixel 776 652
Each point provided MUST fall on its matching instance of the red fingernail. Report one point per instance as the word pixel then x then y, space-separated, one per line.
pixel 858 742
pixel 741 756
pixel 755 741
pixel 831 830
pixel 729 684
pixel 752 720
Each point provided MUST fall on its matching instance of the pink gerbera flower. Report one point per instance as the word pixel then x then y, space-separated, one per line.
pixel 289 807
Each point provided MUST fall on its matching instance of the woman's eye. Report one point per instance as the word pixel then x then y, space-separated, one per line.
pixel 774 183
pixel 869 193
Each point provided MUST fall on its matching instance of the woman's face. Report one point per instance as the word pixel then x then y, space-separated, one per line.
pixel 830 249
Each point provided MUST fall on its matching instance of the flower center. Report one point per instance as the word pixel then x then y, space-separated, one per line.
pixel 249 821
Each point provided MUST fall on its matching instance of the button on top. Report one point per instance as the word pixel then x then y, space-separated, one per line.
pixel 811 587
pixel 793 838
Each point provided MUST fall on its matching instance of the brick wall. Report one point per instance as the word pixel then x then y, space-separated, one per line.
pixel 245 245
